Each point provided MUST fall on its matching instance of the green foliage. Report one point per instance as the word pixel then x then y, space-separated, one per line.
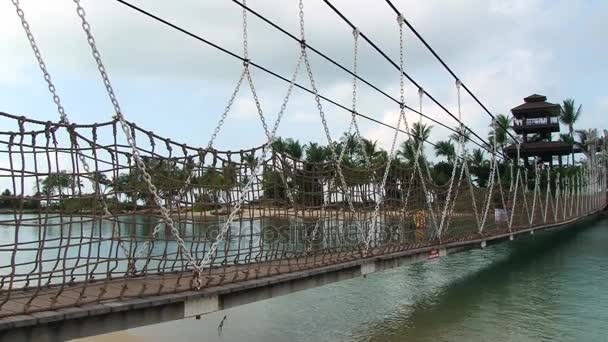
pixel 441 172
pixel 446 149
pixel 500 130
pixel 569 114
pixel 58 183
pixel 480 168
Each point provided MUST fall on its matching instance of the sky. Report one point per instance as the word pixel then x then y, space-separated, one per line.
pixel 172 84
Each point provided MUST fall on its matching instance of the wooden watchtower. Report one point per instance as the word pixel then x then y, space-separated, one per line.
pixel 535 121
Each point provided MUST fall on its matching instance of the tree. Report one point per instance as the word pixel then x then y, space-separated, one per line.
pixel 455 137
pixel 585 138
pixel 166 175
pixel 55 182
pixel 100 182
pixel 500 130
pixel 228 181
pixel 446 149
pixel 569 115
pixel 293 148
pixel 312 180
pixel 480 167
pixel 6 199
pixel 407 151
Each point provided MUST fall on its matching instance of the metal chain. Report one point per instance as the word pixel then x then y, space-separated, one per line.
pixel 244 74
pixel 165 214
pixel 213 249
pixel 41 64
pixel 459 150
pixel 372 232
pixel 535 195
pixel 330 141
pixel 453 203
pixel 416 155
pixel 258 105
pixel 515 186
pixel 494 167
pixel 63 117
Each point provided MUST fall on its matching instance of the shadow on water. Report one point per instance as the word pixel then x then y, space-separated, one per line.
pixel 438 312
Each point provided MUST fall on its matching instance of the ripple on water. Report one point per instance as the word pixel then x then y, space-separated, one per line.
pixel 549 287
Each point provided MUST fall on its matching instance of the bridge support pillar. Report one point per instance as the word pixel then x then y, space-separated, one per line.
pixel 511 238
pixel 367 268
pixel 532 232
pixel 200 306
pixel 483 244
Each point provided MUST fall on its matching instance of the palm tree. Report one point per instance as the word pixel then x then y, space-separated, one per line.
pixel 500 131
pixel 585 138
pixel 57 181
pixel 228 181
pixel 294 149
pixel 480 167
pixel 455 137
pixel 419 134
pixel 350 144
pixel 312 182
pixel 407 151
pixel 569 115
pixel 445 148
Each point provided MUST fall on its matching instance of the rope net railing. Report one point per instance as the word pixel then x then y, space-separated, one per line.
pixel 59 248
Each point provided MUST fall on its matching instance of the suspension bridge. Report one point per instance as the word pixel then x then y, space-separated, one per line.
pixel 126 228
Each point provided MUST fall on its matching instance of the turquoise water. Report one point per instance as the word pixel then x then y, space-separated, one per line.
pixel 547 287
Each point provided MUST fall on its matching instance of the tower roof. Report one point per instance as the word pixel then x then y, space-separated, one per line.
pixel 535 98
pixel 535 106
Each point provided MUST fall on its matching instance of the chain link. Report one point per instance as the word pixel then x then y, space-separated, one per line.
pixel 494 167
pixel 63 117
pixel 226 226
pixel 382 187
pixel 41 64
pixel 330 141
pixel 258 105
pixel 134 150
pixel 460 154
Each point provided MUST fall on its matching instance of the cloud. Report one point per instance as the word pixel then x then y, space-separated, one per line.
pixel 502 50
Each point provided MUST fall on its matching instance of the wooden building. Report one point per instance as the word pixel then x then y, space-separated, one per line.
pixel 535 121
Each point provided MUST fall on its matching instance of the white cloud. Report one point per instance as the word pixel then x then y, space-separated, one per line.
pixel 502 50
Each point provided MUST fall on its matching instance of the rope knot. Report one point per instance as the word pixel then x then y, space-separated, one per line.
pixel 303 43
pixel 356 33
pixel 131 270
pixel 21 122
pixel 246 62
pixel 458 83
pixel 94 131
pixel 420 92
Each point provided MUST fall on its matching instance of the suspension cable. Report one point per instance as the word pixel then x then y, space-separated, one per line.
pixel 447 67
pixel 396 66
pixel 266 70
pixel 351 72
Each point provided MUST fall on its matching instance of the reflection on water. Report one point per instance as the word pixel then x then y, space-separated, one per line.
pixel 55 249
pixel 548 287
